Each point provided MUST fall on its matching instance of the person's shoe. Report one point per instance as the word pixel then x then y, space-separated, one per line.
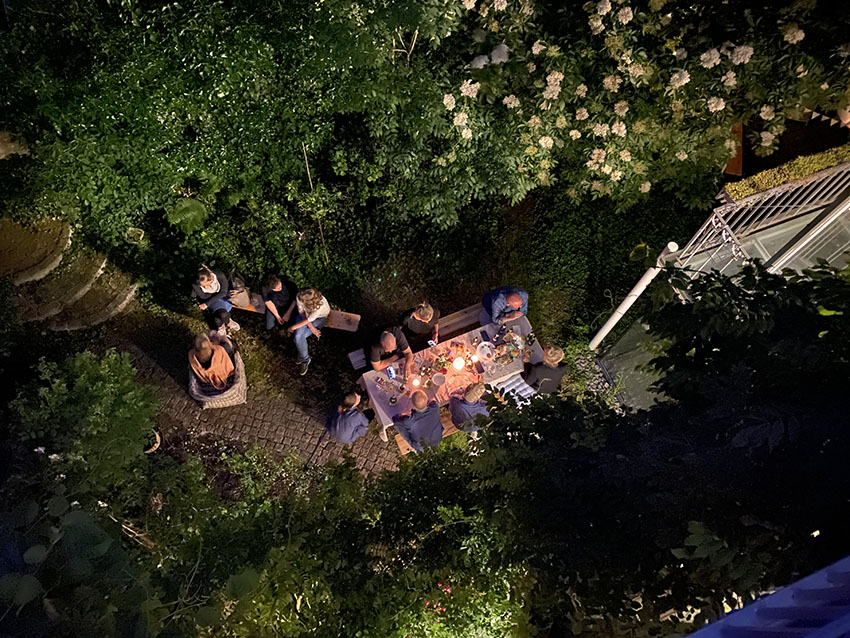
pixel 383 434
pixel 235 327
pixel 303 366
pixel 222 331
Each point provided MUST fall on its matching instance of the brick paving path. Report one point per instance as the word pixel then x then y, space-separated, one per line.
pixel 272 422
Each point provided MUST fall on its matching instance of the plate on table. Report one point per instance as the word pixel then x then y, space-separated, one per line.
pixel 486 351
pixel 393 400
pixel 439 379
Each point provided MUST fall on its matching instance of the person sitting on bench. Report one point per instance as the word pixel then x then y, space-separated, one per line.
pixel 212 364
pixel 276 299
pixel 313 311
pixel 545 377
pixel 503 304
pixel 213 293
pixel 421 324
pixel 422 426
pixel 346 423
pixel 466 405
pixel 392 345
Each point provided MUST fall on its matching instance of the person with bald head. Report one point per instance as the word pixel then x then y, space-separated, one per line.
pixel 466 405
pixel 421 427
pixel 503 304
pixel 346 423
pixel 392 345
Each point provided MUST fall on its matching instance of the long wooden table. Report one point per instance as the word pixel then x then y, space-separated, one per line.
pixel 381 388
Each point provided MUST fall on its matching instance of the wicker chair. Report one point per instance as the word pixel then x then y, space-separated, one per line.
pixel 236 394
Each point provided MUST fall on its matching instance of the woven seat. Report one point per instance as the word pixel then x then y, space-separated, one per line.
pixel 236 394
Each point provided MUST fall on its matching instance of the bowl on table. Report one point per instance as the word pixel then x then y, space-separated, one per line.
pixel 439 379
pixel 486 351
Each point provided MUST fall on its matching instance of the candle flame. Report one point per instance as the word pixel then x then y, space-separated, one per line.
pixel 458 363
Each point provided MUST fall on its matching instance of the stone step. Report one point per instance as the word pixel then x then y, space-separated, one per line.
pixel 66 284
pixel 109 295
pixel 29 253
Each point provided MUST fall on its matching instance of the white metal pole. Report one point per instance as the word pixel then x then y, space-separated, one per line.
pixel 633 295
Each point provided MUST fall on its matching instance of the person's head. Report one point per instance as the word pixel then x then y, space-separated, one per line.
pixel 419 400
pixel 473 392
pixel 203 348
pixel 514 300
pixel 311 299
pixel 205 276
pixel 424 312
pixel 388 342
pixel 273 282
pixel 552 355
pixel 351 400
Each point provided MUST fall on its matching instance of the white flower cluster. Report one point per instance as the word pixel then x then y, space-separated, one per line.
pixel 644 188
pixel 619 129
pixel 546 142
pixel 612 83
pixel 553 85
pixel 616 175
pixel 681 156
pixel 600 130
pixel 560 121
pixel 466 133
pixel 793 34
pixel 767 138
pixel 621 108
pixel 636 70
pixel 716 104
pixel 531 67
pixel 626 156
pixel 511 101
pixel 581 90
pixel 767 112
pixel 499 55
pixel 679 79
pixel 597 155
pixel 741 55
pixel 680 54
pixel 461 119
pixel 534 121
pixel 480 61
pixel 582 114
pixel 537 47
pixel 731 146
pixel 469 4
pixel 625 15
pixel 729 79
pixel 603 7
pixel 470 88
pixel 449 101
pixel 575 134
pixel 710 59
pixel 500 5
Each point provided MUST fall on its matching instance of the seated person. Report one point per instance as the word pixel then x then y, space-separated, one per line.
pixel 346 423
pixel 421 324
pixel 466 405
pixel 503 304
pixel 313 311
pixel 392 345
pixel 422 426
pixel 212 364
pixel 545 377
pixel 276 299
pixel 212 291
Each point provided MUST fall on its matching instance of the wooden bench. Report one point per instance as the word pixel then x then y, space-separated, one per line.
pixel 448 429
pixel 337 320
pixel 450 326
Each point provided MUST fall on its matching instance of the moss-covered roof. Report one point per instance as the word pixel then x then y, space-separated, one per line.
pixel 795 169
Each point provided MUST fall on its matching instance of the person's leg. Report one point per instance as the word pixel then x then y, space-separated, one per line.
pixel 270 320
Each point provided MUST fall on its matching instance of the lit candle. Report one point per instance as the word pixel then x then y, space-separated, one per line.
pixel 475 358
pixel 459 363
pixel 415 382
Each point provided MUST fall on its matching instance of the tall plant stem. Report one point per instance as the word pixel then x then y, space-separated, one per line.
pixel 318 220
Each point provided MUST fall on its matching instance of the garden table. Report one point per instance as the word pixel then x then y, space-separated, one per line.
pixel 381 388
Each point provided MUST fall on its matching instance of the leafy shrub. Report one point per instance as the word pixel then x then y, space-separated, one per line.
pixel 91 411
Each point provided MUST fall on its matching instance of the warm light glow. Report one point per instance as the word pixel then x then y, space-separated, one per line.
pixel 475 358
pixel 459 363
pixel 415 382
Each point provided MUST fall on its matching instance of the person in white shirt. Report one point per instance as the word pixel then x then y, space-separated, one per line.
pixel 313 311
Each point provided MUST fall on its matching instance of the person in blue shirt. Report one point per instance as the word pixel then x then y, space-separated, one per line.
pixel 466 405
pixel 422 426
pixel 503 304
pixel 346 423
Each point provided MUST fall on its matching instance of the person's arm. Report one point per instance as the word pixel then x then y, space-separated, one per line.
pixel 288 313
pixel 273 309
pixel 516 314
pixel 223 289
pixel 408 359
pixel 498 309
pixel 435 335
pixel 385 363
pixel 524 295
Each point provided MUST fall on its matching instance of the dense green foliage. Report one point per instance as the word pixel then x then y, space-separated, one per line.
pixel 559 518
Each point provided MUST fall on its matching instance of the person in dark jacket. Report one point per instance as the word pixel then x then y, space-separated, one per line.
pixel 546 376
pixel 346 423
pixel 421 325
pixel 276 299
pixel 466 405
pixel 212 291
pixel 422 426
